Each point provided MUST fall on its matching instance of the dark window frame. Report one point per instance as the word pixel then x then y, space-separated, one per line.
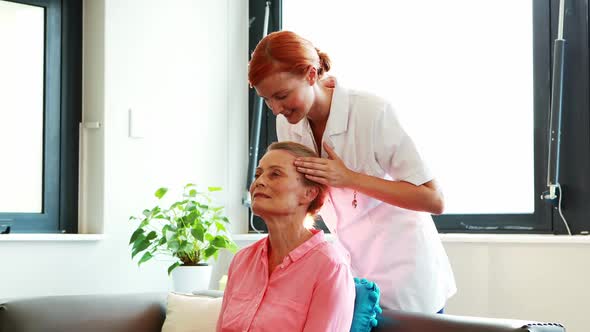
pixel 268 132
pixel 575 140
pixel 62 114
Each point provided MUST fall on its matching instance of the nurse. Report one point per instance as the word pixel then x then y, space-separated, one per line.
pixel 382 193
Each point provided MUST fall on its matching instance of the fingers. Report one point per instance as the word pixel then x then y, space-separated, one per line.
pixel 309 171
pixel 330 152
pixel 317 179
pixel 311 160
pixel 323 166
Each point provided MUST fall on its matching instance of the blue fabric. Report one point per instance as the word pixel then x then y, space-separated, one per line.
pixel 366 306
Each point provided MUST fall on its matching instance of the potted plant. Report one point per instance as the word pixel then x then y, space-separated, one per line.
pixel 191 230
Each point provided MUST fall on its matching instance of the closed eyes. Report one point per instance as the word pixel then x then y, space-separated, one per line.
pixel 273 173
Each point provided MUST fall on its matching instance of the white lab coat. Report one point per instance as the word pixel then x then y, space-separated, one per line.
pixel 399 249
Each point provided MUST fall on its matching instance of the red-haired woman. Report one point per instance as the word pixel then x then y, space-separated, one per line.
pixel 382 193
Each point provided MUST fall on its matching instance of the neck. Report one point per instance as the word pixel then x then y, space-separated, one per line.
pixel 284 235
pixel 320 110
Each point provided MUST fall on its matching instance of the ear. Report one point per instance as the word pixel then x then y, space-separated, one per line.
pixel 312 75
pixel 310 194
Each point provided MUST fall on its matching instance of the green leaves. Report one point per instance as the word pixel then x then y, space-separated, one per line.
pixel 220 226
pixel 146 257
pixel 191 229
pixel 219 242
pixel 161 192
pixel 152 235
pixel 173 245
pixel 187 246
pixel 136 234
pixel 210 252
pixel 139 245
pixel 172 267
pixel 198 233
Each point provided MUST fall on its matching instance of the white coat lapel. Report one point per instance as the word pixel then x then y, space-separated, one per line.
pixel 301 133
pixel 338 119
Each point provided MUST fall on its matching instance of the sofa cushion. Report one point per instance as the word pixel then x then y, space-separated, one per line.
pixel 97 313
pixel 398 321
pixel 191 313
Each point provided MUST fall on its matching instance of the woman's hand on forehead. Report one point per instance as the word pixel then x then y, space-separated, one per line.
pixel 332 171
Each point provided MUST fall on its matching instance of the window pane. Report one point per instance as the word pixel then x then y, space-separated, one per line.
pixel 459 73
pixel 21 107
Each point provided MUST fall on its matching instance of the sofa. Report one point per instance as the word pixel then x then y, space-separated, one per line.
pixel 146 312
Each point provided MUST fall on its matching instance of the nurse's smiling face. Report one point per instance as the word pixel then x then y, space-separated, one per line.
pixel 287 94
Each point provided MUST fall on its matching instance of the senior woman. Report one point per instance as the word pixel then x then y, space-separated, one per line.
pixel 293 279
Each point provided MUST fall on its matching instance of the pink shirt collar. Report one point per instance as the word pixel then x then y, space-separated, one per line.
pixel 295 254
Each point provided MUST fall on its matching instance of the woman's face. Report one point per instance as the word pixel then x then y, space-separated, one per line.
pixel 278 188
pixel 287 94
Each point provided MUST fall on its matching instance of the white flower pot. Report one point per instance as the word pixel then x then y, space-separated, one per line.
pixel 187 279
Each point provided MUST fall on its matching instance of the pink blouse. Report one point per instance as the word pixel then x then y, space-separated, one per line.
pixel 311 290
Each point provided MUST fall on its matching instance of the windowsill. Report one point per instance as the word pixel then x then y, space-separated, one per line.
pixel 51 237
pixel 514 238
pixel 253 237
pixel 472 238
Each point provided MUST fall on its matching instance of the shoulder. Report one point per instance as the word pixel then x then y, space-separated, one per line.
pixel 354 98
pixel 330 266
pixel 367 105
pixel 330 257
pixel 248 253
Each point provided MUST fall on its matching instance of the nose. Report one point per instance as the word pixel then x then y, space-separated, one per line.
pixel 256 183
pixel 275 107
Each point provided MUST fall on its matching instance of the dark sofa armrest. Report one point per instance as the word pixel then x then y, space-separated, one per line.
pixel 116 313
pixel 399 321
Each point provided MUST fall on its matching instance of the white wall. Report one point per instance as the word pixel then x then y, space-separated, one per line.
pixel 182 66
pixel 546 281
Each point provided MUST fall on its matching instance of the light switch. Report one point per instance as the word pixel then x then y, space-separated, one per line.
pixel 138 122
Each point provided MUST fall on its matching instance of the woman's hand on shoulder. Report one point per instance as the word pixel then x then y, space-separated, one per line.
pixel 332 171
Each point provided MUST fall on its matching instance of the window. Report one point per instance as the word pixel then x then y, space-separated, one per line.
pixel 480 72
pixel 40 111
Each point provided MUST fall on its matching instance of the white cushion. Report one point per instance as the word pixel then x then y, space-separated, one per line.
pixel 191 313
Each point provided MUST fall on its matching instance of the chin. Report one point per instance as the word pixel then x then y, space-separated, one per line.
pixel 294 118
pixel 267 211
pixel 259 210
